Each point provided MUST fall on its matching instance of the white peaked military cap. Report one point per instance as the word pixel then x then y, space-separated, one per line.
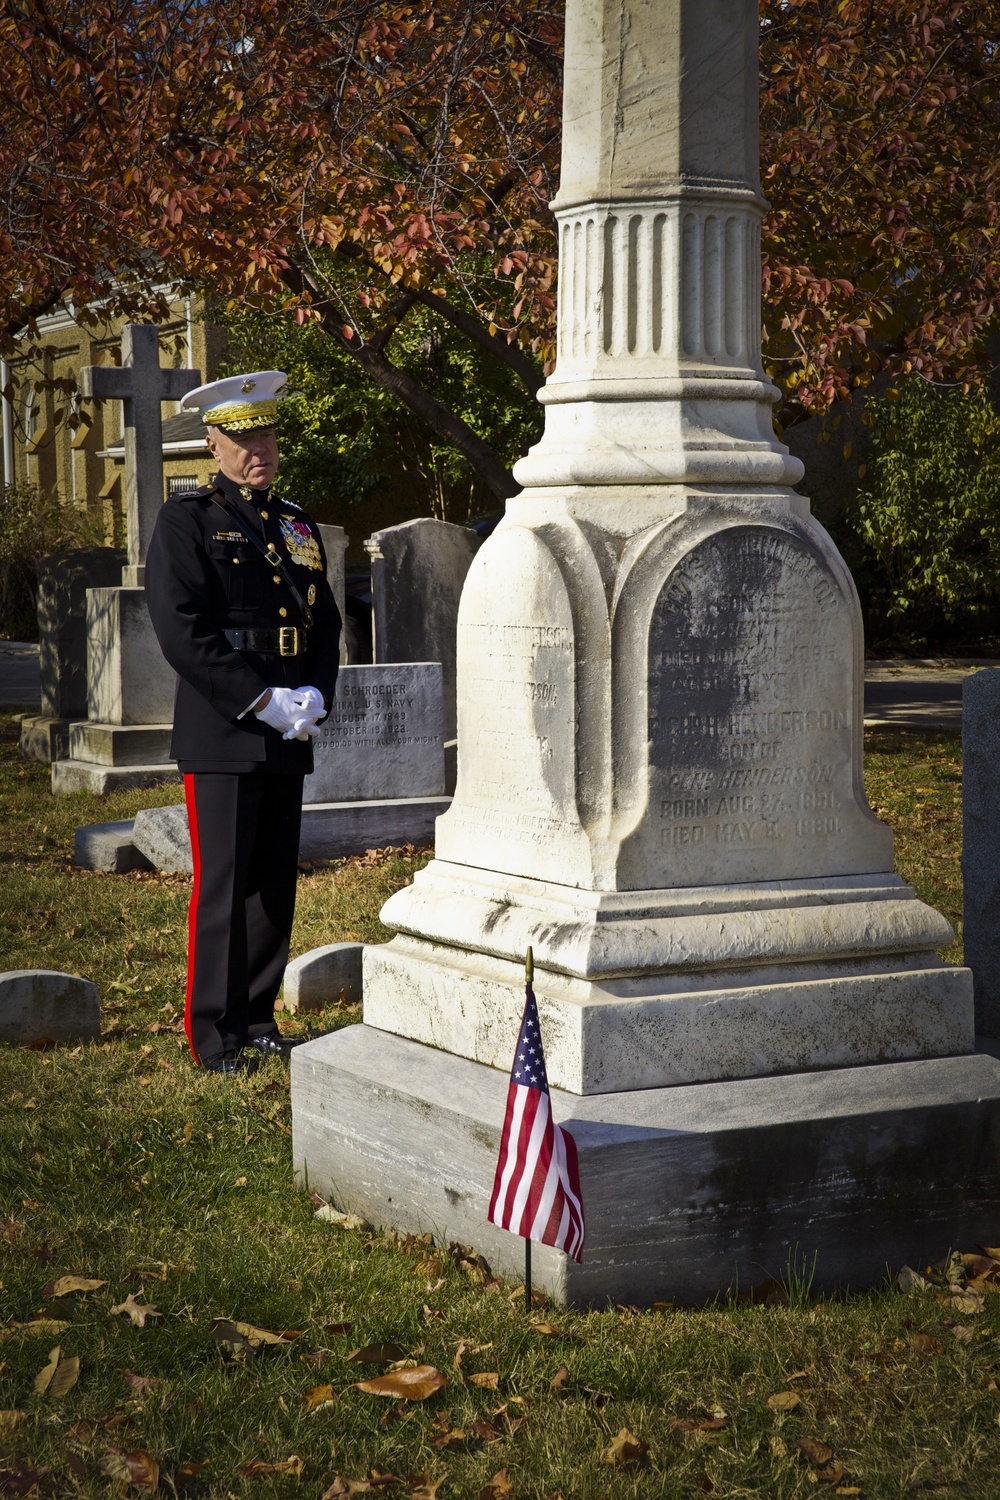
pixel 240 403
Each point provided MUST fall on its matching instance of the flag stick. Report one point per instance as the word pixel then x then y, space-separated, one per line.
pixel 529 974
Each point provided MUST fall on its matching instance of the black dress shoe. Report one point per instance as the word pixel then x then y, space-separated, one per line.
pixel 231 1063
pixel 273 1044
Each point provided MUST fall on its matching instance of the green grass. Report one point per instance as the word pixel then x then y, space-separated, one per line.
pixel 122 1162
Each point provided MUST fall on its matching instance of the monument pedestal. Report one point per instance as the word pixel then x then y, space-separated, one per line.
pixel 688 1191
pixel 125 739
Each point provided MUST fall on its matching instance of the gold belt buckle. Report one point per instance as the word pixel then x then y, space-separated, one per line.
pixel 288 640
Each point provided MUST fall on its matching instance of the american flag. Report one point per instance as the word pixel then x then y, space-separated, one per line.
pixel 536 1191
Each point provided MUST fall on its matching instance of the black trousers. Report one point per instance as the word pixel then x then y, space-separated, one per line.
pixel 245 848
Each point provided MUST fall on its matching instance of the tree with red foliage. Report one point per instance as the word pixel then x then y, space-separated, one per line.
pixel 349 160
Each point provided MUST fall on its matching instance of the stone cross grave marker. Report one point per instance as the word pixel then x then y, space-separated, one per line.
pixel 143 386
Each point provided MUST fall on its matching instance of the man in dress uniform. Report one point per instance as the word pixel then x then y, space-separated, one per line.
pixel 238 596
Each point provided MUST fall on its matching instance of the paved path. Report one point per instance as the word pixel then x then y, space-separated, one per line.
pixel 920 693
pixel 19 687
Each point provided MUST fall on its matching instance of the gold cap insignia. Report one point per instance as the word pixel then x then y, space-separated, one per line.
pixel 248 386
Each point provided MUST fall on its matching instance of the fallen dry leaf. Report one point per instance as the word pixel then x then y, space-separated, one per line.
pixel 377 1354
pixel 626 1451
pixel 448 1435
pixel 551 1331
pixel 926 1343
pixel 188 1470
pixel 784 1400
pixel 332 1328
pixel 910 1280
pixel 83 1432
pixel 36 1328
pixel 814 1451
pixel 328 1215
pixel 18 1481
pixel 56 1378
pixel 964 1300
pixel 64 1286
pixel 958 1331
pixel 499 1487
pixel 136 1468
pixel 343 1486
pixel 406 1385
pixel 319 1398
pixel 486 1379
pixel 470 1262
pixel 11 1419
pixel 243 1340
pixel 141 1383
pixel 257 1467
pixel 559 1378
pixel 426 1488
pixel 137 1311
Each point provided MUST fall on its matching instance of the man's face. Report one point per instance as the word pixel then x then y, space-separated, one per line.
pixel 245 457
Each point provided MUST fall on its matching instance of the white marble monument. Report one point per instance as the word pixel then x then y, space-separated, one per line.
pixel 746 1023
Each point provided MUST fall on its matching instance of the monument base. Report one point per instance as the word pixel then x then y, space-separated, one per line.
pixel 69 776
pixel 688 1192
pixel 44 737
pixel 652 989
pixel 120 744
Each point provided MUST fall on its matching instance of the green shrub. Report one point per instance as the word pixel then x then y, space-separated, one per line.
pixel 30 528
pixel 928 518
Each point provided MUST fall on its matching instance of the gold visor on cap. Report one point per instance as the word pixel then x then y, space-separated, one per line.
pixel 241 416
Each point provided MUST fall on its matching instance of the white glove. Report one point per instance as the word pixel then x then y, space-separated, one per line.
pixel 281 711
pixel 311 709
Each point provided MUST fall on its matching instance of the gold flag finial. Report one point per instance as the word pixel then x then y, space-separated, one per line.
pixel 529 967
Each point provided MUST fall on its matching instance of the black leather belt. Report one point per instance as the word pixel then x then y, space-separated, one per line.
pixel 290 640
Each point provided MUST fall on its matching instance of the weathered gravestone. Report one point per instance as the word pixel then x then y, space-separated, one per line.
pixel 45 1005
pixel 63 581
pixel 418 573
pixel 378 778
pixel 125 740
pixel 981 844
pixel 660 720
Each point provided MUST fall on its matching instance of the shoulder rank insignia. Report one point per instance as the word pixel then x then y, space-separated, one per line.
pixel 303 547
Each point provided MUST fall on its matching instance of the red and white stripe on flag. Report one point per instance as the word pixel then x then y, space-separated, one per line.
pixel 536 1191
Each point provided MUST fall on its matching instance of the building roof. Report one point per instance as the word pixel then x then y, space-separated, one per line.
pixel 182 433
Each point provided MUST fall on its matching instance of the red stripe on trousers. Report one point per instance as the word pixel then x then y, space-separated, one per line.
pixel 192 812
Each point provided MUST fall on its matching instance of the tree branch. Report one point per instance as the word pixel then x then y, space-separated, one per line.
pixel 441 420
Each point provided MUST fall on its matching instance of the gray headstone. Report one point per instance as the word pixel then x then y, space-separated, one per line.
pixel 418 572
pixel 383 738
pixel 109 847
pixel 981 844
pixel 63 581
pixel 41 1003
pixel 335 546
pixel 142 385
pixel 161 834
pixel 324 975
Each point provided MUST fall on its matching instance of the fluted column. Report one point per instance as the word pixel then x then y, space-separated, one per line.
pixel 658 377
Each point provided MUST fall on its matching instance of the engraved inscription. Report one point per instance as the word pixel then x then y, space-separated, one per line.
pixel 749 704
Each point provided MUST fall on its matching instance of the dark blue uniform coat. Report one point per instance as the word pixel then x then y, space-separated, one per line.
pixel 201 578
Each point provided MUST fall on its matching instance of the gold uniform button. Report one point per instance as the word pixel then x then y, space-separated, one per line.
pixel 263 515
pixel 277 577
pixel 235 559
pixel 282 612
